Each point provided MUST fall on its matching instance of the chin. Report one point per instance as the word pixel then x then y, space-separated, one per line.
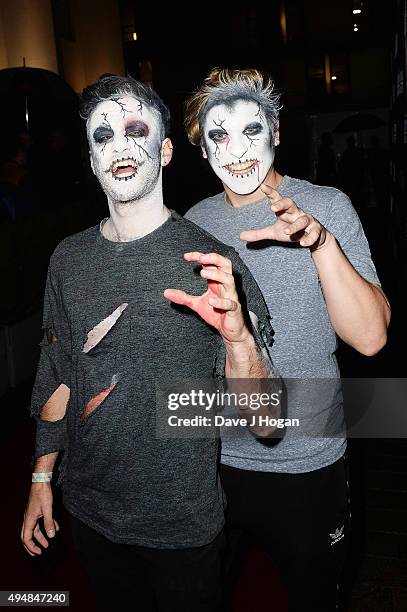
pixel 122 196
pixel 248 190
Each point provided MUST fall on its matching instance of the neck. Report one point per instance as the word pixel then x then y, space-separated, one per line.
pixel 273 179
pixel 136 218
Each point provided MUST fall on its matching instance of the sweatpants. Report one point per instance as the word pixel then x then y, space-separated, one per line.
pixel 302 523
pixel 140 579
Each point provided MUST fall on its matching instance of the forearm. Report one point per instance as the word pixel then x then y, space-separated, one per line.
pixel 359 311
pixel 244 360
pixel 250 374
pixel 45 463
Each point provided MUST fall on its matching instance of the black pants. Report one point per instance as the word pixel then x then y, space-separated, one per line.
pixel 140 579
pixel 301 521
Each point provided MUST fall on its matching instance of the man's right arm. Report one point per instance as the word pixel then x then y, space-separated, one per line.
pixel 50 398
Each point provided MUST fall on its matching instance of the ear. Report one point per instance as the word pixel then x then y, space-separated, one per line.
pixel 166 152
pixel 204 154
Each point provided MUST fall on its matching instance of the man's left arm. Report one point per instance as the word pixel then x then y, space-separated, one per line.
pixel 220 307
pixel 358 308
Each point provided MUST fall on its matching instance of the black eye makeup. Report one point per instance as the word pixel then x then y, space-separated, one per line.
pixel 253 129
pixel 102 134
pixel 137 129
pixel 217 135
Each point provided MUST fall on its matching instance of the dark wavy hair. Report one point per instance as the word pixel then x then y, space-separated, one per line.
pixel 113 87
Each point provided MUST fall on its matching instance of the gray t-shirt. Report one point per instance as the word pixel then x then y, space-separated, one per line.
pixel 304 341
pixel 119 476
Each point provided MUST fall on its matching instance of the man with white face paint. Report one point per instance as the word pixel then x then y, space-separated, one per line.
pixel 238 144
pixel 146 511
pixel 125 144
pixel 306 248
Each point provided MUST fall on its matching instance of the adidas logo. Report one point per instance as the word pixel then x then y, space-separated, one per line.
pixel 337 535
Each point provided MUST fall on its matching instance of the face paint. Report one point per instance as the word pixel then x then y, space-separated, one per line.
pixel 239 145
pixel 125 148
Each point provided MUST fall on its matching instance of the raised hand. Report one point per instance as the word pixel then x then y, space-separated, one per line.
pixel 219 306
pixel 292 224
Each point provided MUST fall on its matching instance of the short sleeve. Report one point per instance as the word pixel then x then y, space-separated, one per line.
pixel 343 222
pixel 54 368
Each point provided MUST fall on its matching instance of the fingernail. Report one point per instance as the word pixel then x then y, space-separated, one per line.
pixel 51 533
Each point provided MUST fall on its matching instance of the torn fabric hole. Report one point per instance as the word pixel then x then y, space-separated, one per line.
pixel 263 328
pixel 101 329
pixel 54 408
pixel 53 371
pixel 98 399
pixel 263 333
pixel 49 337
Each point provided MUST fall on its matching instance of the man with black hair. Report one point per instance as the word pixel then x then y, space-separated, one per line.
pixel 146 510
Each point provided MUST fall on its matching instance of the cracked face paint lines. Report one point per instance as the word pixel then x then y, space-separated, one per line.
pixel 125 145
pixel 239 145
pixel 123 168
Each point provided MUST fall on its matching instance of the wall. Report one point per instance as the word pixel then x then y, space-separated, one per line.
pixel 27 31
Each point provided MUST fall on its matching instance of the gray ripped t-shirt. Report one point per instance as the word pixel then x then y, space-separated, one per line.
pixel 119 477
pixel 304 341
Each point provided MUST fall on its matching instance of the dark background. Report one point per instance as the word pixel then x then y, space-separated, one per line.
pixel 302 44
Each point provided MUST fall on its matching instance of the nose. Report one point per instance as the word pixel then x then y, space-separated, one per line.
pixel 237 148
pixel 120 144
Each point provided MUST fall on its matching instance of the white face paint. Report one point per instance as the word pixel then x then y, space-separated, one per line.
pixel 239 145
pixel 125 148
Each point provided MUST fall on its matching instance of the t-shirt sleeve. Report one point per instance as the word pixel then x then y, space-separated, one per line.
pixel 343 222
pixel 54 368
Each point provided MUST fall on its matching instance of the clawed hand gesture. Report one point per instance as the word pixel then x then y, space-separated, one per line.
pixel 219 306
pixel 292 224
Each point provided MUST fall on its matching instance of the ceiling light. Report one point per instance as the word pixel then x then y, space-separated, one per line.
pixel 357 11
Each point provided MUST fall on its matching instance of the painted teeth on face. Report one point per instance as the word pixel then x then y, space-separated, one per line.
pixel 242 168
pixel 233 133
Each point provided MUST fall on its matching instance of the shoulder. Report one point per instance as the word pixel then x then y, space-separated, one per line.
pixel 203 238
pixel 204 206
pixel 321 201
pixel 71 247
